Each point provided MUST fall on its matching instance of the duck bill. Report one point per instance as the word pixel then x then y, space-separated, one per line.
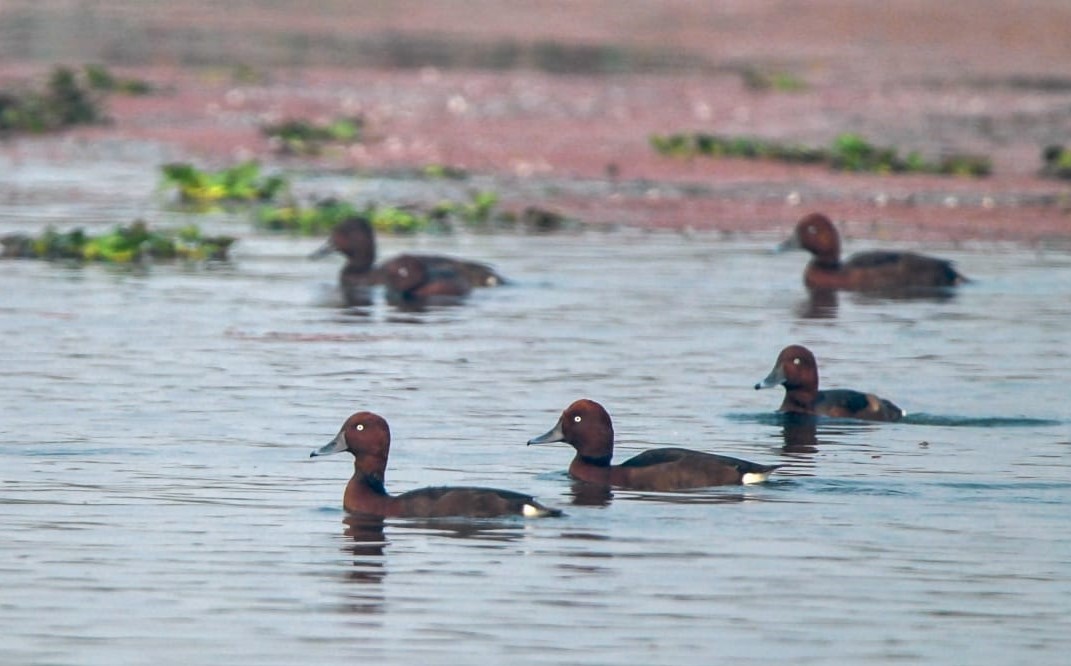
pixel 555 434
pixel 790 243
pixel 319 253
pixel 775 378
pixel 336 445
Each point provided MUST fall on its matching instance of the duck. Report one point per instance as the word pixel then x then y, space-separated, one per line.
pixel 355 239
pixel 880 270
pixel 366 435
pixel 586 426
pixel 797 370
pixel 412 281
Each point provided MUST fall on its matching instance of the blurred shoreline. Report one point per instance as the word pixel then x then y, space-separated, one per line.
pixel 540 94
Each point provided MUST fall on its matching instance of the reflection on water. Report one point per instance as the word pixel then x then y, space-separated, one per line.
pixel 156 498
pixel 591 494
pixel 824 303
pixel 800 432
pixel 366 541
pixel 818 304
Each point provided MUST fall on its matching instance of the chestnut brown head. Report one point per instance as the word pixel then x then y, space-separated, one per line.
pixel 795 368
pixel 586 426
pixel 367 437
pixel 816 234
pixel 354 238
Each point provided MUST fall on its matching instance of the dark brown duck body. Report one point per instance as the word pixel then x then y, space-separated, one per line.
pixel 797 370
pixel 367 437
pixel 586 426
pixel 410 279
pixel 867 271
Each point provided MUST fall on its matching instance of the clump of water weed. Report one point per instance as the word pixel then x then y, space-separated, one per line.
pixel 1056 162
pixel 123 244
pixel 242 183
pixel 304 137
pixel 99 77
pixel 764 79
pixel 848 152
pixel 65 100
pixel 481 212
pixel 444 172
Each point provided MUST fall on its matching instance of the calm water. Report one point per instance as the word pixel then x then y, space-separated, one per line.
pixel 158 501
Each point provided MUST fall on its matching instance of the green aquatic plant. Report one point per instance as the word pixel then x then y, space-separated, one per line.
pixel 241 183
pixel 1056 162
pixel 762 79
pixel 99 77
pixel 64 101
pixel 851 152
pixel 974 166
pixel 444 172
pixel 313 220
pixel 397 220
pixel 303 137
pixel 478 211
pixel 123 244
pixel 676 145
pixel 848 152
pixel 322 216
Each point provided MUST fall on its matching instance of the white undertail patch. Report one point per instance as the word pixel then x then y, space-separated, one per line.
pixel 750 478
pixel 532 511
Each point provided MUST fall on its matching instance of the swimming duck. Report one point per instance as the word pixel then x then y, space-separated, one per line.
pixel 367 437
pixel 865 271
pixel 410 280
pixel 355 238
pixel 797 370
pixel 586 426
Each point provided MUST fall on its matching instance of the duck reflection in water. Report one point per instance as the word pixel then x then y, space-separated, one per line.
pixel 367 543
pixel 824 303
pixel 591 494
pixel 819 304
pixel 799 432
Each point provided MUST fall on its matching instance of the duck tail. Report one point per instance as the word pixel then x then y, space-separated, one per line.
pixel 533 509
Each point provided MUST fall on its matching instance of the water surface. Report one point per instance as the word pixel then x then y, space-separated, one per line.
pixel 157 497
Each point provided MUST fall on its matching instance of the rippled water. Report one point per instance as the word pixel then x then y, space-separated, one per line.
pixel 158 501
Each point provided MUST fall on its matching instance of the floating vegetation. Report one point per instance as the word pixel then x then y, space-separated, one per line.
pixel 99 77
pixel 314 220
pixel 124 244
pixel 480 212
pixel 443 172
pixel 542 220
pixel 766 80
pixel 1056 162
pixel 238 184
pixel 322 216
pixel 849 152
pixel 65 101
pixel 302 137
pixel 710 145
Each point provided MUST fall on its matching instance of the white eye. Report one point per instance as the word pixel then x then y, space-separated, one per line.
pixel 404 272
pixel 812 230
pixel 577 419
pixel 795 361
pixel 360 426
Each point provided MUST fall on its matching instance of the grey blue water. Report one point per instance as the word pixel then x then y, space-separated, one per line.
pixel 157 502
